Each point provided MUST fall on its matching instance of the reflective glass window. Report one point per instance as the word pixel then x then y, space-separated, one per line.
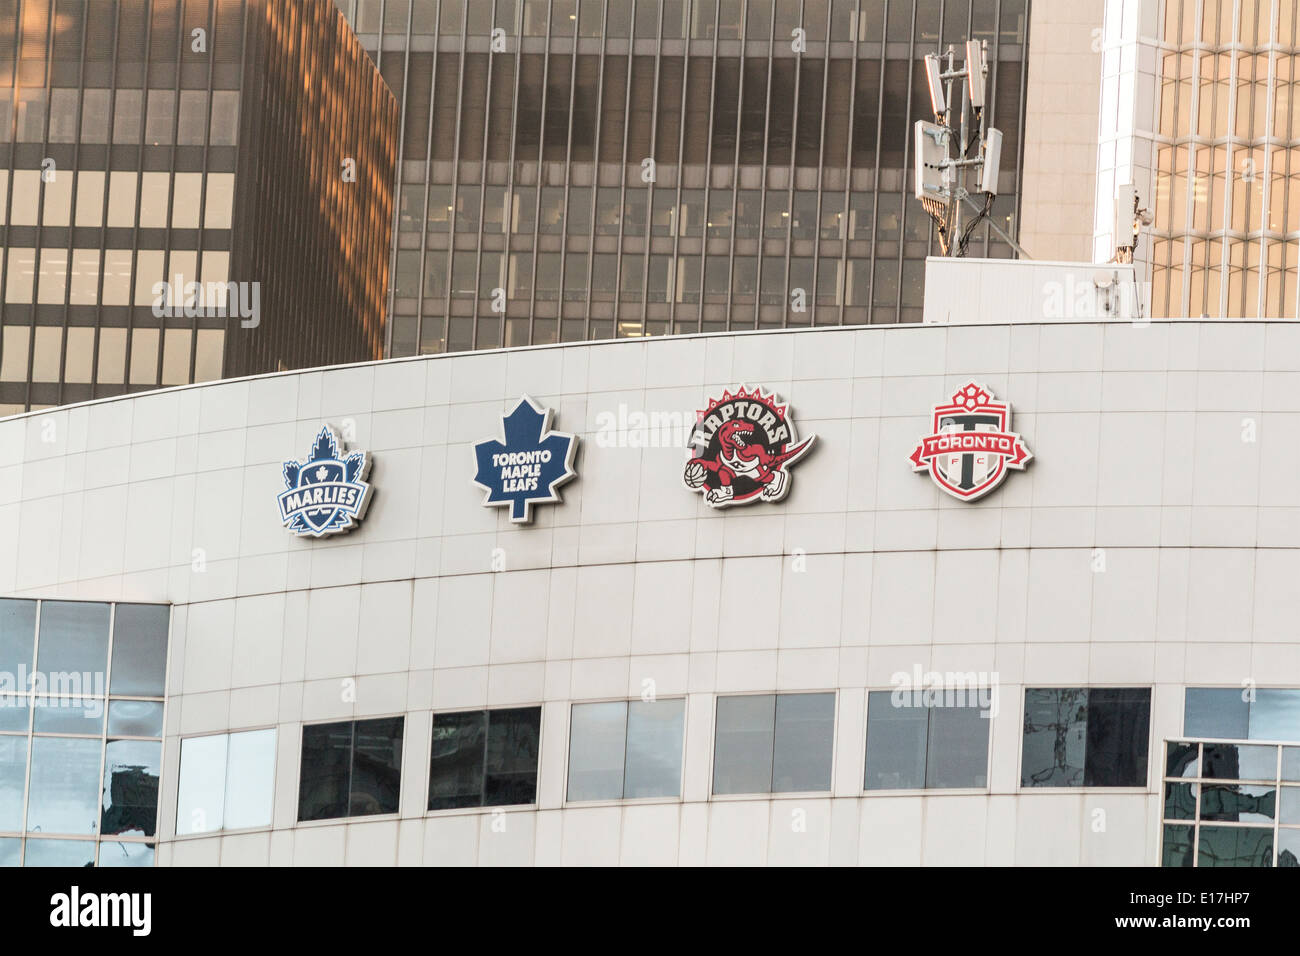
pixel 61 853
pixel 68 715
pixel 626 750
pixel 1216 712
pixel 1095 737
pixel 140 650
pixel 484 758
pixel 769 743
pixel 1235 846
pixel 63 796
pixel 227 781
pixel 350 769
pixel 135 718
pixel 13 777
pixel 17 635
pixel 130 794
pixel 73 638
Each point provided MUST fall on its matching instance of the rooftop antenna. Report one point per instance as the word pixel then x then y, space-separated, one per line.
pixel 946 152
pixel 1130 217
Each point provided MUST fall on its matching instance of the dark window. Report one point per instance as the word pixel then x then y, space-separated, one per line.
pixel 484 758
pixel 1091 737
pixel 556 143
pixel 350 769
pixel 695 142
pixel 446 88
pixel 641 114
pixel 773 743
pixel 614 92
pixel 808 152
pixel 1234 846
pixel 669 113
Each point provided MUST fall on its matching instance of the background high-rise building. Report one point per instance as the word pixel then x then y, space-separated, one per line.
pixel 144 141
pixel 621 168
pixel 1199 110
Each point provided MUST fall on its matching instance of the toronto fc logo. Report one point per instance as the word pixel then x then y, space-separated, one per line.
pixel 742 448
pixel 972 444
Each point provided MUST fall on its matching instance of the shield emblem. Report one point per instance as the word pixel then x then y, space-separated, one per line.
pixel 970 474
pixel 317 473
pixel 971 445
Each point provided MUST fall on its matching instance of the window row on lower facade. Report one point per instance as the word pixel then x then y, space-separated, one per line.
pixel 634 750
pixel 80 784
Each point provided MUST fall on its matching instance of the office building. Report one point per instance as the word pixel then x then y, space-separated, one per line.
pixel 595 169
pixel 247 147
pixel 1197 110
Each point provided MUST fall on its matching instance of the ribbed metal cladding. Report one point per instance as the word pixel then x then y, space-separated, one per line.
pixel 780 176
pixel 186 140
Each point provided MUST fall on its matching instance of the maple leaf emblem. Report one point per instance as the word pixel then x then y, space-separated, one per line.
pixel 529 465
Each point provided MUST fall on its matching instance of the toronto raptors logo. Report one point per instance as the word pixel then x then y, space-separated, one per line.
pixel 972 444
pixel 742 448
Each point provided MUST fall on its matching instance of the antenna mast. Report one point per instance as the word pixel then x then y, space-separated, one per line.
pixel 940 175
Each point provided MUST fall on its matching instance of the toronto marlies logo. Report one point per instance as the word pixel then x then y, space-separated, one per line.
pixel 971 445
pixel 742 448
pixel 327 492
pixel 527 467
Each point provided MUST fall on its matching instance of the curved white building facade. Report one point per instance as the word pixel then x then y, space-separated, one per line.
pixel 1147 551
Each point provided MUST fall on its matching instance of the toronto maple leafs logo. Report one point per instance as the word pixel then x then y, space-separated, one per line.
pixel 327 492
pixel 527 467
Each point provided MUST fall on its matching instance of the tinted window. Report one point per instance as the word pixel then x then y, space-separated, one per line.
pixel 768 743
pixel 130 795
pixel 484 758
pixel 376 766
pixel 1235 846
pixel 1096 737
pixel 510 775
pixel 74 638
pixel 623 749
pixel 805 730
pixel 1231 713
pixel 456 760
pixel 654 748
pixel 1119 723
pixel 350 769
pixel 140 650
pixel 742 751
pixel 911 745
pixel 596 750
pixel 1217 712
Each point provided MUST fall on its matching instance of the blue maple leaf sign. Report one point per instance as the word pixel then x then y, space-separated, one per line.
pixel 529 465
